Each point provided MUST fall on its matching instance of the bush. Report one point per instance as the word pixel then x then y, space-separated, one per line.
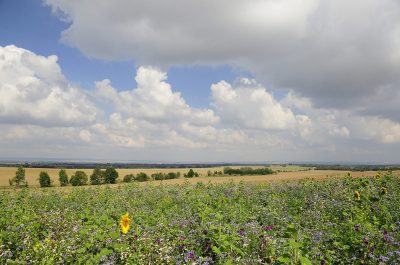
pixel 110 175
pixel 247 171
pixel 63 177
pixel 97 177
pixel 142 177
pixel 79 178
pixel 19 178
pixel 158 176
pixel 172 175
pixel 129 178
pixel 191 174
pixel 44 179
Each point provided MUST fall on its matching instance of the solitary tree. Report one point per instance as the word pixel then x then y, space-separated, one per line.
pixel 110 175
pixel 63 177
pixel 44 179
pixel 190 174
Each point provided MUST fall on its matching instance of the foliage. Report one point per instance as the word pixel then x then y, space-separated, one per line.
pixel 142 177
pixel 129 178
pixel 97 177
pixel 110 175
pixel 79 178
pixel 298 222
pixel 44 179
pixel 19 179
pixel 248 171
pixel 169 175
pixel 191 174
pixel 63 177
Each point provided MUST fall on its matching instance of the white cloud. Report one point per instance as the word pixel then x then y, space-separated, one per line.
pixel 249 105
pixel 154 100
pixel 42 115
pixel 33 90
pixel 337 53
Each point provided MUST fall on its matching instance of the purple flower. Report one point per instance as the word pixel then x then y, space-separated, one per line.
pixel 357 228
pixel 190 255
pixel 268 228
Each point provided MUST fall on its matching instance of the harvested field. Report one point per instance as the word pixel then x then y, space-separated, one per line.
pixel 32 175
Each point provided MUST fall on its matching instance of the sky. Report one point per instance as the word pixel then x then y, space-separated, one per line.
pixel 200 81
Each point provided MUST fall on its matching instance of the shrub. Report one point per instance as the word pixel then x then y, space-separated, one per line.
pixel 63 177
pixel 191 174
pixel 44 179
pixel 79 178
pixel 142 177
pixel 247 171
pixel 19 178
pixel 171 175
pixel 128 178
pixel 110 175
pixel 158 176
pixel 97 177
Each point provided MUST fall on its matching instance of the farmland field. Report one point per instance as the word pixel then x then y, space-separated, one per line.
pixel 286 173
pixel 336 221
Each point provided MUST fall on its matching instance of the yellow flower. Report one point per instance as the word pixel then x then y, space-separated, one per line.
pixel 357 195
pixel 383 190
pixel 378 176
pixel 348 174
pixel 125 223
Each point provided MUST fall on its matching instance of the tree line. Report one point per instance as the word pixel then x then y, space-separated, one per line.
pixel 98 177
pixel 248 171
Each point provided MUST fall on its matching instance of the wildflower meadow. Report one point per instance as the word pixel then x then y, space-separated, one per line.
pixel 335 221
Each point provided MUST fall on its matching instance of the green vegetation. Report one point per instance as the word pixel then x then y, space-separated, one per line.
pixel 44 179
pixel 248 171
pixel 19 179
pixel 337 221
pixel 142 177
pixel 97 177
pixel 110 175
pixel 79 178
pixel 191 173
pixel 129 178
pixel 63 177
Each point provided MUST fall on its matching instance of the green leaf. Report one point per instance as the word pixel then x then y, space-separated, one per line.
pixel 114 235
pixel 284 258
pixel 305 261
pixel 216 250
pixel 295 244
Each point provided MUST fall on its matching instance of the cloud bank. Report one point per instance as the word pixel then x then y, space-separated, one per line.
pixel 340 54
pixel 42 114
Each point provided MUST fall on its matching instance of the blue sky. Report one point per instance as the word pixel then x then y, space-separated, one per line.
pixel 31 25
pixel 210 82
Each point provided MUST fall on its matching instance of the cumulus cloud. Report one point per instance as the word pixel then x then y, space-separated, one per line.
pixel 33 90
pixel 154 100
pixel 249 105
pixel 43 115
pixel 340 54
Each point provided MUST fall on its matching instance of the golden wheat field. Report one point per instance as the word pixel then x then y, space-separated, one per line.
pixel 287 173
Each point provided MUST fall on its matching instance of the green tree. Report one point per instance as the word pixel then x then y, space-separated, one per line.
pixel 97 177
pixel 110 175
pixel 44 179
pixel 142 177
pixel 79 178
pixel 129 178
pixel 19 178
pixel 63 177
pixel 190 174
